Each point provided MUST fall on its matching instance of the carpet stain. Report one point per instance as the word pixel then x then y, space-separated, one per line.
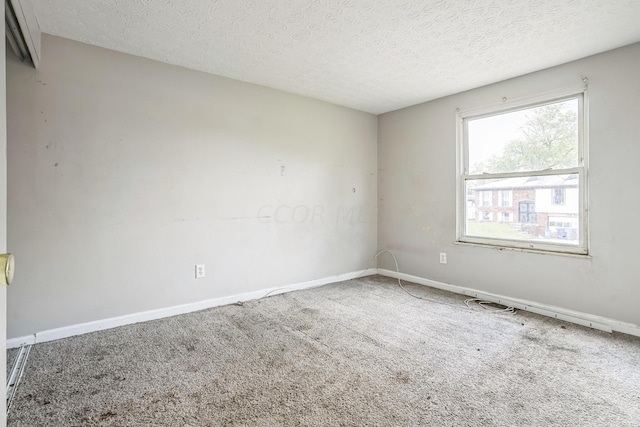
pixel 562 348
pixel 190 344
pixel 402 376
pixel 107 415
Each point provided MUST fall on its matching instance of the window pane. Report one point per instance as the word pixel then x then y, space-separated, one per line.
pixel 533 139
pixel 532 214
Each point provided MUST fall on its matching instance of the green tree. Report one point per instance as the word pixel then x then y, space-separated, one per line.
pixel 549 141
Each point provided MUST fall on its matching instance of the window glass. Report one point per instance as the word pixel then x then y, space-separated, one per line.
pixel 533 139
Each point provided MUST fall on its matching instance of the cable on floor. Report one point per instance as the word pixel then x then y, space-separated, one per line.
pixel 484 304
pixel 488 305
pixel 17 370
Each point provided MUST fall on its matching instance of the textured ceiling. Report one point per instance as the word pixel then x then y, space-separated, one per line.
pixel 372 55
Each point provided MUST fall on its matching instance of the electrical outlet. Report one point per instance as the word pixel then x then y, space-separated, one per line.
pixel 199 271
pixel 443 258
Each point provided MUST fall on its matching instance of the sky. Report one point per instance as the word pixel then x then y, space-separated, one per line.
pixel 489 135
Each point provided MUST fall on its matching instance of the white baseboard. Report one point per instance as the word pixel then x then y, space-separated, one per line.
pixel 584 319
pixel 98 325
pixel 20 341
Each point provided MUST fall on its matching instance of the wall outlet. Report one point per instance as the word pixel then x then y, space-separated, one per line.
pixel 199 271
pixel 443 258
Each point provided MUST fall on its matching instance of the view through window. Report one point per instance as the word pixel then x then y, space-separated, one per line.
pixel 523 177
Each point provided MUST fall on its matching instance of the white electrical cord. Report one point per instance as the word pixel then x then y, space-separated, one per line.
pixel 486 304
pixel 482 303
pixel 395 260
pixel 16 373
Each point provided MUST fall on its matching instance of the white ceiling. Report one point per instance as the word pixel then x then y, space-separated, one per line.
pixel 371 55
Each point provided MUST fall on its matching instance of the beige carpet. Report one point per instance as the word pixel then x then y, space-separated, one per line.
pixel 357 353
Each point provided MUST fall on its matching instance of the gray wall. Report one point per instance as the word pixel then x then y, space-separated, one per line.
pixel 124 173
pixel 417 187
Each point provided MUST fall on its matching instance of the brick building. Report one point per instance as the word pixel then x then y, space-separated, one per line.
pixel 544 206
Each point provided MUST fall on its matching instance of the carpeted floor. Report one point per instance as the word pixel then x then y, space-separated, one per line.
pixel 11 357
pixel 356 353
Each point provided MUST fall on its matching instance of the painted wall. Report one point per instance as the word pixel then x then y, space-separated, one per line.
pixel 417 188
pixel 3 226
pixel 124 173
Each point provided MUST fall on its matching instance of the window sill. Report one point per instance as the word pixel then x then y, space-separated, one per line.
pixel 499 248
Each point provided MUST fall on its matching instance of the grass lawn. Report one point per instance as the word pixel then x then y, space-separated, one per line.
pixel 495 230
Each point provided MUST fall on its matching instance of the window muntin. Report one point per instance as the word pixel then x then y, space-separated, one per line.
pixel 533 158
pixel 558 195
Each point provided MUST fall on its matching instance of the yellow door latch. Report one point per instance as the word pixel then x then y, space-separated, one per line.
pixel 7 266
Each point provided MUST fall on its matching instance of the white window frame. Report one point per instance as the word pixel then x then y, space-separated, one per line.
pixel 501 198
pixel 488 195
pixel 578 92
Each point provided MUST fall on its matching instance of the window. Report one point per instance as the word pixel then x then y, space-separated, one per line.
pixel 558 196
pixel 485 198
pixel 527 212
pixel 532 154
pixel 504 198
